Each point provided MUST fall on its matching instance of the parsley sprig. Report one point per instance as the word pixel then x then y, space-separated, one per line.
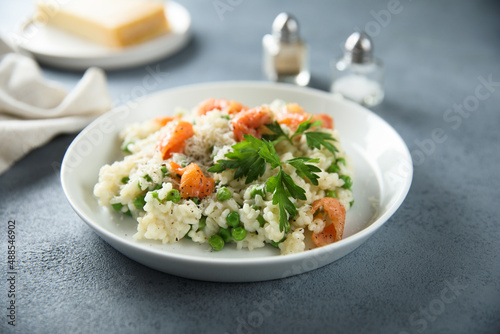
pixel 250 158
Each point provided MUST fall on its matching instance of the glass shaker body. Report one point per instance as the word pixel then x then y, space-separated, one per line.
pixel 286 62
pixel 359 82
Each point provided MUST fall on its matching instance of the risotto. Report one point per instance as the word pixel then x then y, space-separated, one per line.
pixel 226 173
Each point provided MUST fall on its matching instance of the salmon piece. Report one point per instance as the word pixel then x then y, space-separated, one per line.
pixel 334 221
pixel 295 114
pixel 326 120
pixel 193 182
pixel 175 141
pixel 229 106
pixel 163 120
pixel 251 122
pixel 176 168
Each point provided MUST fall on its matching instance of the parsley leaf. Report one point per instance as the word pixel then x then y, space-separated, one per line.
pixel 268 153
pixel 255 170
pixel 276 186
pixel 294 190
pixel 306 125
pixel 316 139
pixel 279 134
pixel 245 160
pixel 249 158
pixel 305 170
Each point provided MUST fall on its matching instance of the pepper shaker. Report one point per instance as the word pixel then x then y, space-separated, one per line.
pixel 285 53
pixel 358 76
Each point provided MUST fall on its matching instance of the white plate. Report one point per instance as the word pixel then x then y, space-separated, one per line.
pixel 58 48
pixel 383 173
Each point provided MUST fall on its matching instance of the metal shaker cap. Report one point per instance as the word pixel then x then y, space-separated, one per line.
pixel 286 28
pixel 359 48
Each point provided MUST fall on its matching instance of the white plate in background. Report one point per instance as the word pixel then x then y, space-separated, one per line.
pixel 55 47
pixel 382 177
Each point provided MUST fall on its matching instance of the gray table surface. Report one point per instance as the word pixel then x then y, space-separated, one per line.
pixel 432 268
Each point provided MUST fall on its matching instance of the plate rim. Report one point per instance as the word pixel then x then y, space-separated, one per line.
pixel 267 260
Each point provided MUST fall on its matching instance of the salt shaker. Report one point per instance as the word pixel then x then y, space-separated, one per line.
pixel 285 54
pixel 359 76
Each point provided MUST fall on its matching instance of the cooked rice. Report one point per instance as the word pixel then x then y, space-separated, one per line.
pixel 213 137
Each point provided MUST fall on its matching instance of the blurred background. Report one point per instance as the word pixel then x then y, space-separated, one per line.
pixel 458 38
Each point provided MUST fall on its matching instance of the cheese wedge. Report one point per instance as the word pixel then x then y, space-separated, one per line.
pixel 114 23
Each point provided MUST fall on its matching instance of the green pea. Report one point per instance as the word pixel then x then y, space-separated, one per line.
pixel 125 179
pixel 255 207
pixel 148 178
pixel 331 193
pixel 216 242
pixel 347 181
pixel 117 206
pixel 341 160
pixel 164 171
pixel 225 234
pixel 155 195
pixel 333 169
pixel 158 187
pixel 196 200
pixel 239 233
pixel 261 221
pixel 223 194
pixel 128 213
pixel 233 219
pixel 202 223
pixel 139 202
pixel 257 191
pixel 226 117
pixel 174 196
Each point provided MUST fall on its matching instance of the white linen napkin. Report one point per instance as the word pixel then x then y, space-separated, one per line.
pixel 34 110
